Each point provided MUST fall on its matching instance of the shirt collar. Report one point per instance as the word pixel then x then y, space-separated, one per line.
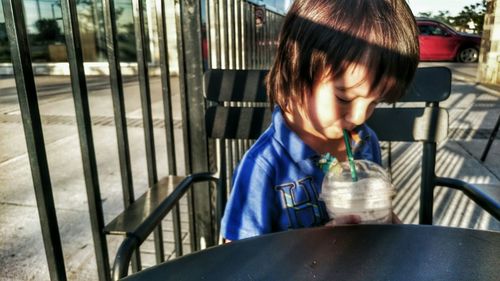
pixel 296 148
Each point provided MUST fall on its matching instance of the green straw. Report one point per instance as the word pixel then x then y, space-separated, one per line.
pixel 354 175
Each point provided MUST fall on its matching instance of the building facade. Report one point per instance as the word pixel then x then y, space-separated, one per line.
pixel 489 59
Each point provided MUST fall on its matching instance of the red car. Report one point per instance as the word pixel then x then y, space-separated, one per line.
pixel 440 42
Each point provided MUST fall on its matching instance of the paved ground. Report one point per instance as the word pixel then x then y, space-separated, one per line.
pixel 473 111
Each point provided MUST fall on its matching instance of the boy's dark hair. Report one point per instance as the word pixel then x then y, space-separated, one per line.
pixel 326 36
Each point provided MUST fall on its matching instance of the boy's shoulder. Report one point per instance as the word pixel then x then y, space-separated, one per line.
pixel 264 148
pixel 276 144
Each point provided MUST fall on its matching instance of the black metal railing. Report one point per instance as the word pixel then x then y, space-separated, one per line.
pixel 233 34
pixel 27 96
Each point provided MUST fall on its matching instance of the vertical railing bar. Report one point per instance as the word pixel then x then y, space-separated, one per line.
pixel 271 38
pixel 240 34
pixel 263 30
pixel 226 34
pixel 223 187
pixel 262 48
pixel 242 27
pixel 239 149
pixel 84 123
pixel 185 124
pixel 28 103
pixel 235 33
pixel 228 161
pixel 268 38
pixel 208 33
pixel 232 22
pixel 147 116
pixel 234 153
pixel 213 34
pixel 141 48
pixel 218 47
pixel 253 37
pixel 277 28
pixel 230 144
pixel 192 221
pixel 246 28
pixel 257 44
pixel 236 38
pixel 245 16
pixel 211 147
pixel 176 221
pixel 168 116
pixel 192 83
pixel 117 95
pixel 166 87
pixel 272 22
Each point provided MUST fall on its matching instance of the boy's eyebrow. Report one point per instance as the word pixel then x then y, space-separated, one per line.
pixel 343 87
pixel 348 91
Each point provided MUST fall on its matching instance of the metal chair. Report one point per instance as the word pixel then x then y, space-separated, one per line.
pixel 428 124
pixel 237 111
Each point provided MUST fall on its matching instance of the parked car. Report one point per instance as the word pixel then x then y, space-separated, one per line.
pixel 440 42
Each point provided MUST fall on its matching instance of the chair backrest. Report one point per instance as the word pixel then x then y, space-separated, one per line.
pixel 422 120
pixel 238 107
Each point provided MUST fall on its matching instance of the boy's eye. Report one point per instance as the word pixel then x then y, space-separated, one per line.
pixel 342 100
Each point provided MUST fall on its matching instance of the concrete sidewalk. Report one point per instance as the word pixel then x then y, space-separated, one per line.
pixel 473 110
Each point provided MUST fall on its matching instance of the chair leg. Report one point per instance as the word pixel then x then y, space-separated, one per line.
pixel 490 141
pixel 428 183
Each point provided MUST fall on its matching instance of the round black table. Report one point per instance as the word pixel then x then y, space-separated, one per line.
pixel 355 252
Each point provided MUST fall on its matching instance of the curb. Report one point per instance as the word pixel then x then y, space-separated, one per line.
pixel 490 89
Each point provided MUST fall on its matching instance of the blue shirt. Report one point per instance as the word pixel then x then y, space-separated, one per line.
pixel 277 183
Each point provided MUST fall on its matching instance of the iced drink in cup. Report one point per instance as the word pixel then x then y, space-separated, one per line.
pixel 370 197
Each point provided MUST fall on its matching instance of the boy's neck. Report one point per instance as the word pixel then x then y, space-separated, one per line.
pixel 318 143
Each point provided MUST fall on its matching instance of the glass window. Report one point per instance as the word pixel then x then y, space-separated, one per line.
pixel 432 30
pixel 438 31
pixel 46 31
pixel 4 41
pixel 424 29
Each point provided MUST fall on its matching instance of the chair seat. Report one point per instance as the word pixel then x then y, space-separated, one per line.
pixel 128 222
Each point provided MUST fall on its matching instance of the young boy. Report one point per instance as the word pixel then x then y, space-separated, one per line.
pixel 336 60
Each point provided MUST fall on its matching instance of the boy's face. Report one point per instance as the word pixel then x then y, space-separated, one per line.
pixel 340 103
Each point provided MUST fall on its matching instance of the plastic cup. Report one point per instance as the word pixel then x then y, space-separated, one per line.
pixel 370 197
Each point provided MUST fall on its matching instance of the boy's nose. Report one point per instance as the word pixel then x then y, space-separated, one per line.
pixel 357 114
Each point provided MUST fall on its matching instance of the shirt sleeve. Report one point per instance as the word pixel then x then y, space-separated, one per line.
pixel 251 207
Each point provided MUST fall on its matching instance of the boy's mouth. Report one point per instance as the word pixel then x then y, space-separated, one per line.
pixel 348 127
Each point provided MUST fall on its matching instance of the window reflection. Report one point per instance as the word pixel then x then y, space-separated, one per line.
pixel 46 32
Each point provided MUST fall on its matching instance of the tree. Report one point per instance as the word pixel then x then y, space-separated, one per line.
pixel 473 13
pixel 48 30
pixel 425 14
pixel 442 16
